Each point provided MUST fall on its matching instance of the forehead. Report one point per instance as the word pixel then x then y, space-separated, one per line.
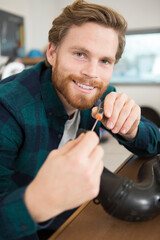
pixel 92 36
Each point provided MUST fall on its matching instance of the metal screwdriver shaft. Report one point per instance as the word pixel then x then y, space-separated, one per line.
pixel 99 115
pixel 94 125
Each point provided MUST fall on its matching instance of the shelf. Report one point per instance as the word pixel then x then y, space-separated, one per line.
pixel 32 61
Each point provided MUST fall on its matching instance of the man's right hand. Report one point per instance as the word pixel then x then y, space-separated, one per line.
pixel 69 177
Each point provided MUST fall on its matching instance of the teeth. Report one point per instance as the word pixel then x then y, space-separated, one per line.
pixel 84 86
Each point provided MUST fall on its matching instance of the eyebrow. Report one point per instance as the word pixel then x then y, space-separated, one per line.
pixel 81 49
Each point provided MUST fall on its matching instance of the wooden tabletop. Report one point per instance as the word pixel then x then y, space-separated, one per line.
pixel 91 222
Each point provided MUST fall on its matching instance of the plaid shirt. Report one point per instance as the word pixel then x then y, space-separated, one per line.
pixel 32 120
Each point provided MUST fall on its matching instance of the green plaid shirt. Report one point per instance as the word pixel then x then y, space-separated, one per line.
pixel 32 120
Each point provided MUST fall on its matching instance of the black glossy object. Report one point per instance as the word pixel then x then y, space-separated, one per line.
pixel 132 201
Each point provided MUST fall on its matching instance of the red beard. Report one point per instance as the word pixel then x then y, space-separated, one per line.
pixel 81 101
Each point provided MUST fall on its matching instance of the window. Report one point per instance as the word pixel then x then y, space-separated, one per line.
pixel 140 62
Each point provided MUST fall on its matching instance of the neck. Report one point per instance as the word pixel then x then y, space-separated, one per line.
pixel 69 109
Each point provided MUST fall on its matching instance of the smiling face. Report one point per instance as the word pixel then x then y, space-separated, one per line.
pixel 82 65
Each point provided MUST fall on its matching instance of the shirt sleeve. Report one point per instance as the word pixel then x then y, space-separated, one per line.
pixel 146 142
pixel 15 220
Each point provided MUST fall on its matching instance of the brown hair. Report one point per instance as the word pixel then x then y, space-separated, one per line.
pixel 81 12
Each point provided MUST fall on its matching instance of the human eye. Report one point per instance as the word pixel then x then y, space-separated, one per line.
pixel 79 54
pixel 105 61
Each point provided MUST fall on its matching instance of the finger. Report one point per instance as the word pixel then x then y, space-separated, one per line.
pixel 86 145
pixel 94 111
pixel 97 167
pixel 123 115
pixel 98 174
pixel 97 153
pixel 132 121
pixel 71 144
pixel 118 105
pixel 109 104
pixel 96 158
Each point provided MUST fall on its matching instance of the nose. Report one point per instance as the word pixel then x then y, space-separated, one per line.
pixel 90 69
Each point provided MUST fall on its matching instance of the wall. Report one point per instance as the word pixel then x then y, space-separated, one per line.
pixel 39 14
pixel 138 13
pixel 143 95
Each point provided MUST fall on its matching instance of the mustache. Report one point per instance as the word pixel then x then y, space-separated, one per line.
pixel 84 80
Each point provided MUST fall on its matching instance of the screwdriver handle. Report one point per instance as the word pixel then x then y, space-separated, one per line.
pixel 99 114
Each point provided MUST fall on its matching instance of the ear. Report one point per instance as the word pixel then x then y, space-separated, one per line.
pixel 51 54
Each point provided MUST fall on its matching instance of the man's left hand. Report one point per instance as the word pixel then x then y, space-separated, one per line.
pixel 121 115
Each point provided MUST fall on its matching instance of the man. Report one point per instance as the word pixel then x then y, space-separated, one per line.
pixel 44 175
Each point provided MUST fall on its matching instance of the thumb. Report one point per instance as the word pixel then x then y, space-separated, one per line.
pixel 71 144
pixel 94 111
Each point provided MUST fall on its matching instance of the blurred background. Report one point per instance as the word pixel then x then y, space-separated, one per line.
pixel 24 26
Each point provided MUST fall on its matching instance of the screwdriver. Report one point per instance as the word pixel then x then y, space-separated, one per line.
pixel 99 115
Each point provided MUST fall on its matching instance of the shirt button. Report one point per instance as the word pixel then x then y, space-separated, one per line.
pixel 59 135
pixel 49 114
pixel 23 227
pixel 65 117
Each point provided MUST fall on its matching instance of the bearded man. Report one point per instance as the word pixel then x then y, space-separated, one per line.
pixel 45 171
